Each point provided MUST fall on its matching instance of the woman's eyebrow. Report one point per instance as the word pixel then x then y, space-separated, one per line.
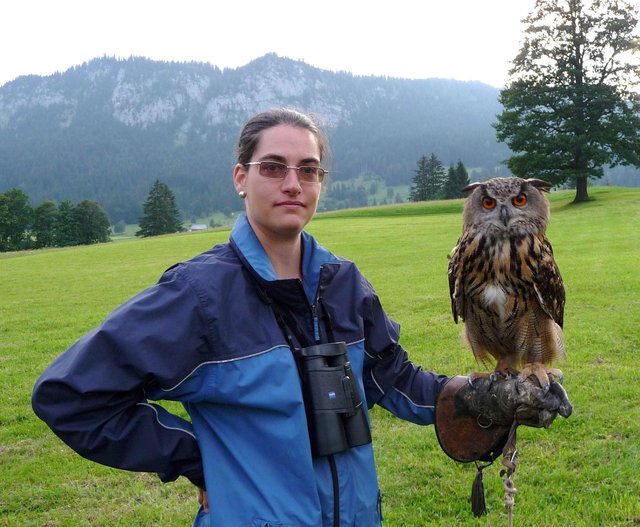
pixel 282 159
pixel 273 157
pixel 313 160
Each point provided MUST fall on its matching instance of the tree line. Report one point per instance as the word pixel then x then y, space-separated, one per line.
pixel 49 225
pixel 433 181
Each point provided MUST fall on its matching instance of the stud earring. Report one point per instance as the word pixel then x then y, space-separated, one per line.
pixel 242 194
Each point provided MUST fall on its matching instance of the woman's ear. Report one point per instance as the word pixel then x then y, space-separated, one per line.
pixel 239 177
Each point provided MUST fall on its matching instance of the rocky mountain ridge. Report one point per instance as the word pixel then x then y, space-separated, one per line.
pixel 105 130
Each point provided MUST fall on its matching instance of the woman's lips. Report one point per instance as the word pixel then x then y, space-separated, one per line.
pixel 290 204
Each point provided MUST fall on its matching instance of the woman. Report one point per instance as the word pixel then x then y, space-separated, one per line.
pixel 236 334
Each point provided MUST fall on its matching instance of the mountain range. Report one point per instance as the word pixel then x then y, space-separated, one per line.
pixel 107 129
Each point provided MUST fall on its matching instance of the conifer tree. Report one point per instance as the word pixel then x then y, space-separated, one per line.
pixel 429 179
pixel 418 189
pixel 161 215
pixel 457 179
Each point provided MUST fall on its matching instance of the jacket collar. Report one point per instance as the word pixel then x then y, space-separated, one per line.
pixel 250 250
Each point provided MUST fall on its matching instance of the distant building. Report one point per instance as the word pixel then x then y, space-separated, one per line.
pixel 198 227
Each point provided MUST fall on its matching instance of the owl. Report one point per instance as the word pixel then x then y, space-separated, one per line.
pixel 504 282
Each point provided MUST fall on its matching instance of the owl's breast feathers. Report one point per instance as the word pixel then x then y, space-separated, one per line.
pixel 509 292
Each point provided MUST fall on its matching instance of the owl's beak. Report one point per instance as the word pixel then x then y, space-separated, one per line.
pixel 504 215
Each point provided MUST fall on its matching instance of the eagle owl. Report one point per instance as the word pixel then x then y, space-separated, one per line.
pixel 503 279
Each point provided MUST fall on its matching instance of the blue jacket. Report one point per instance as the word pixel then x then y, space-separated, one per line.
pixel 205 337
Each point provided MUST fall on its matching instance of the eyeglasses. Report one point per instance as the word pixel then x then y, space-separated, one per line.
pixel 276 170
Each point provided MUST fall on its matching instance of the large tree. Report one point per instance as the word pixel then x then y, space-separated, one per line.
pixel 92 223
pixel 161 215
pixel 44 223
pixel 570 107
pixel 65 233
pixel 16 215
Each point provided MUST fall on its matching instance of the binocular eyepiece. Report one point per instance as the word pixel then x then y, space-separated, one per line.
pixel 335 415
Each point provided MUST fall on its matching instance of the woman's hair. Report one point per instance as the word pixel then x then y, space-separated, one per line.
pixel 250 135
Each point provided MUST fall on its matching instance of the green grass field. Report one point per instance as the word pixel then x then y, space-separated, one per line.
pixel 581 472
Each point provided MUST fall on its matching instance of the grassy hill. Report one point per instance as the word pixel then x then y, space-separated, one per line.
pixel 580 472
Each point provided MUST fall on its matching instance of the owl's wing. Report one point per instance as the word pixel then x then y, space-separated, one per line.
pixel 454 272
pixel 549 285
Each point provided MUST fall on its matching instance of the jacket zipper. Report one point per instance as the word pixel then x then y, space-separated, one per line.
pixel 316 323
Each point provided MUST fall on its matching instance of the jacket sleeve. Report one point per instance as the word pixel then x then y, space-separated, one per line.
pixel 391 380
pixel 93 395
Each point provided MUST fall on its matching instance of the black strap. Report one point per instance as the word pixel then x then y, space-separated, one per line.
pixel 328 323
pixel 336 491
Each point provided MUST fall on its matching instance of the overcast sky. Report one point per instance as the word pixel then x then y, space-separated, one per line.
pixel 454 39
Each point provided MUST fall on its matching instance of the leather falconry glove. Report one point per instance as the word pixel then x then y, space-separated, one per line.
pixel 500 402
pixel 474 414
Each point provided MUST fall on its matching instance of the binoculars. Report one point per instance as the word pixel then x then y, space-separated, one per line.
pixel 335 415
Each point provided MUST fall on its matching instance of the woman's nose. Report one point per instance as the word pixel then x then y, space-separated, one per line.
pixel 291 181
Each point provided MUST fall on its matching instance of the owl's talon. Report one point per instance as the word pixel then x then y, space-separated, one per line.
pixel 504 370
pixel 474 376
pixel 555 375
pixel 538 371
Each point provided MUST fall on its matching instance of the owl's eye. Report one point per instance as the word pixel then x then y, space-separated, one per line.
pixel 520 200
pixel 488 203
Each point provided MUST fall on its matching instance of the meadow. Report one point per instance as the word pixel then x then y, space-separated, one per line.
pixel 582 471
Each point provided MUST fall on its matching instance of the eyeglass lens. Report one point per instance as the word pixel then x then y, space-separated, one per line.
pixel 273 169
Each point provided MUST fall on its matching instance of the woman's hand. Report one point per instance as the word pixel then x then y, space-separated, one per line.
pixel 203 499
pixel 505 400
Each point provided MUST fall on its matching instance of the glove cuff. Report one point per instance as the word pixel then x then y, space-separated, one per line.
pixel 462 436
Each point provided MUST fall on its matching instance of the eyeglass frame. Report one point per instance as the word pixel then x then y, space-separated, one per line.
pixel 321 172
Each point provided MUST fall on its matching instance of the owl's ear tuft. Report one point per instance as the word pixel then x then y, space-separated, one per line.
pixel 472 187
pixel 540 184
